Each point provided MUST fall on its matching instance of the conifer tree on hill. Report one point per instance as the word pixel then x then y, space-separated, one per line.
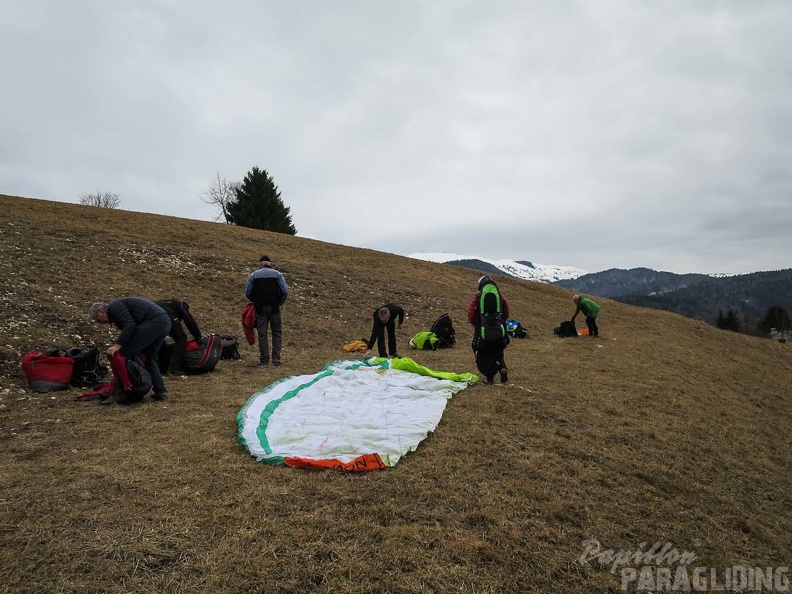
pixel 776 318
pixel 258 205
pixel 730 321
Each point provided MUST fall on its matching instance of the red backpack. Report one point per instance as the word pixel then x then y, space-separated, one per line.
pixel 46 372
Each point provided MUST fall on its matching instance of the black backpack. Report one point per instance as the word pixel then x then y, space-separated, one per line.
pixel 566 329
pixel 230 348
pixel 88 371
pixel 206 356
pixel 491 323
pixel 444 330
pixel 139 377
pixel 139 382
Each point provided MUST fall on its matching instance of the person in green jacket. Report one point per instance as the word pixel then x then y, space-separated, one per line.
pixel 591 310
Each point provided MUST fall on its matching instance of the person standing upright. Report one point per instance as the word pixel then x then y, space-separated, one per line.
pixel 385 317
pixel 488 312
pixel 590 310
pixel 267 290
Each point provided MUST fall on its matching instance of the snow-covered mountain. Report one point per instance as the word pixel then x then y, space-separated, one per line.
pixel 546 273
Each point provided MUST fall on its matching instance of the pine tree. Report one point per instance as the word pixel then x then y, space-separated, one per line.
pixel 258 205
pixel 731 321
pixel 775 317
pixel 721 322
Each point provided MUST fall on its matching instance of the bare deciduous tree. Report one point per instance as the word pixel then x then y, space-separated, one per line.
pixel 219 194
pixel 101 199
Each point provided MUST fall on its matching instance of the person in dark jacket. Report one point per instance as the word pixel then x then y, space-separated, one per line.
pixel 385 317
pixel 591 310
pixel 490 357
pixel 179 311
pixel 144 326
pixel 267 290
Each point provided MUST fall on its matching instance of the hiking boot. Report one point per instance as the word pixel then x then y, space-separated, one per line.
pixel 276 363
pixel 487 382
pixel 263 362
pixel 160 395
pixel 504 375
pixel 177 372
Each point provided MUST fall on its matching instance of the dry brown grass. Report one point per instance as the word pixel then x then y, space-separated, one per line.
pixel 666 429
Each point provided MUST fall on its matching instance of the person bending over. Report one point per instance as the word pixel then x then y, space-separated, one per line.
pixel 179 311
pixel 385 318
pixel 144 326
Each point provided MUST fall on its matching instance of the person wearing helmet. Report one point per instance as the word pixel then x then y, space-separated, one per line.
pixel 488 312
pixel 590 310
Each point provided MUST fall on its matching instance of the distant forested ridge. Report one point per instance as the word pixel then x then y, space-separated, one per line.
pixel 692 295
pixel 477 265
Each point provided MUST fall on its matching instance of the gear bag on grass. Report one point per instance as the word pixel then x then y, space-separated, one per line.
pixel 230 347
pixel 203 356
pixel 88 371
pixel 138 377
pixel 355 346
pixel 491 325
pixel 516 329
pixel 426 341
pixel 444 330
pixel 566 329
pixel 47 372
pixel 130 378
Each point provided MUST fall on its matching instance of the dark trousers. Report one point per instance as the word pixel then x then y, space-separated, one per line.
pixel 269 317
pixel 380 331
pixel 591 324
pixel 490 359
pixel 146 341
pixel 179 337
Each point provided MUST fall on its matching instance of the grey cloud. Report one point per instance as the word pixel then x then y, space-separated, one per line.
pixel 659 131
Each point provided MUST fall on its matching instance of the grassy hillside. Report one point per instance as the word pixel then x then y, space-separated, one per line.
pixel 664 430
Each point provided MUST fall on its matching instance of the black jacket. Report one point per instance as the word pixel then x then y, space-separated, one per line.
pixel 395 311
pixel 126 313
pixel 179 311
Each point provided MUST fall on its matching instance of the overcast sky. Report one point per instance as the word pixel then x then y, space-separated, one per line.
pixel 595 134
